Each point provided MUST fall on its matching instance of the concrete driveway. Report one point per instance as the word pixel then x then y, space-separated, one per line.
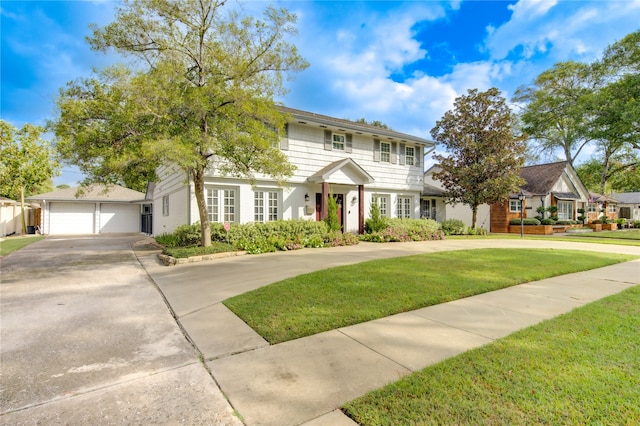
pixel 87 338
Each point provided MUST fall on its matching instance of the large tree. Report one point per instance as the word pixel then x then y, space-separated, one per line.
pixel 615 108
pixel 554 107
pixel 485 157
pixel 27 164
pixel 200 97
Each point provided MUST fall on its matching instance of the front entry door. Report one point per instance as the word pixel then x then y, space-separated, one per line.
pixel 339 200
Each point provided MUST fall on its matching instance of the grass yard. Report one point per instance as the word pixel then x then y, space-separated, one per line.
pixel 11 244
pixel 579 368
pixel 620 234
pixel 338 297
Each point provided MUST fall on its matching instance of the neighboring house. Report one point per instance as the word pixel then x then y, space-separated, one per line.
pixel 628 204
pixel 600 205
pixel 434 207
pixel 11 216
pixel 553 184
pixel 354 162
pixel 95 210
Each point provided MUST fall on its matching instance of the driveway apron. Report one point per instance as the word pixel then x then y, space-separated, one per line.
pixel 88 339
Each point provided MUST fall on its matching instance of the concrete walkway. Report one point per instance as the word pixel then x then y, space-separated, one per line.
pixel 305 381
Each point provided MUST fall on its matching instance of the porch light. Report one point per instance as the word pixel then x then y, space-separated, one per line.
pixel 306 197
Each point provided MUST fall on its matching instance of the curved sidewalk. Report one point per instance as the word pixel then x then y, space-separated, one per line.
pixel 304 381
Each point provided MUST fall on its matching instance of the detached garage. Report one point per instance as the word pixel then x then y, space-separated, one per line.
pixel 92 210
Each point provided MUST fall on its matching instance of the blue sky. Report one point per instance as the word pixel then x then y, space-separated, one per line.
pixel 402 63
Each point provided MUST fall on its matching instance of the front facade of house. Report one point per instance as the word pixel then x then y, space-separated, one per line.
pixel 353 162
pixel 553 184
pixel 628 204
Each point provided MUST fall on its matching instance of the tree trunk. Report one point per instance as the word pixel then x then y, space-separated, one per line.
pixel 474 215
pixel 24 223
pixel 205 226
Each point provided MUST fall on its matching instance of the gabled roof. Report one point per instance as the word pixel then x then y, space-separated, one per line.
pixel 627 197
pixel 324 174
pixel 539 179
pixel 305 117
pixel 95 193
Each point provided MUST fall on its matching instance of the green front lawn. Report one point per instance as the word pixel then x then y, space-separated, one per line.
pixel 579 368
pixel 338 297
pixel 620 234
pixel 11 244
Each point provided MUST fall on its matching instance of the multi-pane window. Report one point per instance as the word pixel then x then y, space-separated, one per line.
pixel 165 205
pixel 404 207
pixel 565 210
pixel 265 206
pixel 612 208
pixel 338 142
pixel 514 206
pixel 382 204
pixel 593 208
pixel 221 205
pixel 385 152
pixel 410 155
pixel 229 205
pixel 212 205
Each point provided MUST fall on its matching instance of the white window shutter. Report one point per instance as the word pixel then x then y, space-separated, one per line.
pixel 376 150
pixel 328 143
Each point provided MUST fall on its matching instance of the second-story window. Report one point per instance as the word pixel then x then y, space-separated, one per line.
pixel 338 142
pixel 410 155
pixel 385 152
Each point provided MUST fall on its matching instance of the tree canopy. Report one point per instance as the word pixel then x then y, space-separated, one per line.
pixel 573 105
pixel 27 164
pixel 199 99
pixel 485 158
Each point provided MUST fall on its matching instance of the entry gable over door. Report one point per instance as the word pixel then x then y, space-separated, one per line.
pixel 344 171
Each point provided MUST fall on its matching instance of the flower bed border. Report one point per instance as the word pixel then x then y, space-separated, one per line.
pixel 170 260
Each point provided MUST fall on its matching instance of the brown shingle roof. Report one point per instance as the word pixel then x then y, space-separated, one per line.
pixel 539 179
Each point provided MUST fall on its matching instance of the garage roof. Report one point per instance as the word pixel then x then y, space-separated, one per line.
pixel 93 193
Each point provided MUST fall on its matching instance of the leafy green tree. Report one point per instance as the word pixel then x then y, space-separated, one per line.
pixel 485 157
pixel 623 173
pixel 554 109
pixel 26 163
pixel 615 108
pixel 200 98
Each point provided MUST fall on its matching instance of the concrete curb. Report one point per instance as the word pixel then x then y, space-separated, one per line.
pixel 171 261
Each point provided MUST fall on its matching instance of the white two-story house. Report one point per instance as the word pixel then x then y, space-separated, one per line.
pixel 351 161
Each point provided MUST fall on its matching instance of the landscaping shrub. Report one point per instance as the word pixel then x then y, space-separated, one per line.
pixel 182 252
pixel 566 222
pixel 548 221
pixel 188 235
pixel 620 223
pixel 398 230
pixel 477 231
pixel 636 223
pixel 332 214
pixel 167 240
pixel 525 221
pixel 454 227
pixel 376 222
pixel 337 238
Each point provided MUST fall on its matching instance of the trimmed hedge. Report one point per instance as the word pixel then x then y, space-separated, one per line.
pixel 525 221
pixel 399 230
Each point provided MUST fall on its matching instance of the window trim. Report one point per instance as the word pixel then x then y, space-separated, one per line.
pixel 384 153
pixel 165 205
pixel 563 213
pixel 518 207
pixel 409 160
pixel 270 210
pixel 404 208
pixel 338 145
pixel 224 211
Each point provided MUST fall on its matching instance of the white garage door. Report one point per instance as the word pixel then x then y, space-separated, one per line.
pixel 119 218
pixel 71 218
